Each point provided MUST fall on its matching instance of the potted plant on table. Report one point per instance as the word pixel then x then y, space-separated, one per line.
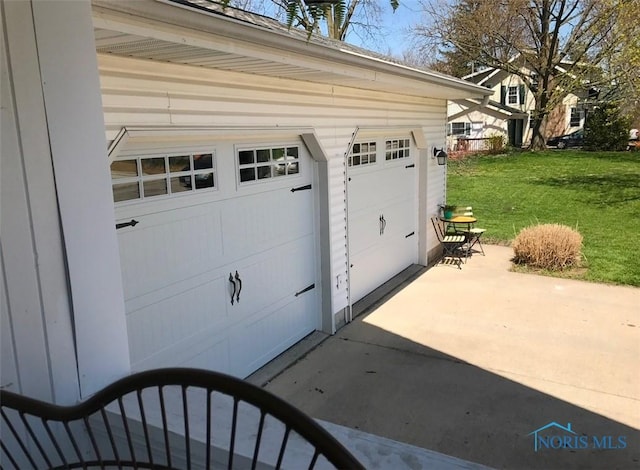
pixel 448 210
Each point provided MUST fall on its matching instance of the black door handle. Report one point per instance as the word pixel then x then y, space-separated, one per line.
pixel 380 220
pixel 239 286
pixel 234 287
pixel 384 223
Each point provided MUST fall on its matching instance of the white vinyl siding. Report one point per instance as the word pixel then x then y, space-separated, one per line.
pixel 152 94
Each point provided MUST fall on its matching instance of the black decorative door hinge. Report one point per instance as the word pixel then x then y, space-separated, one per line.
pixel 301 188
pixel 131 223
pixel 306 289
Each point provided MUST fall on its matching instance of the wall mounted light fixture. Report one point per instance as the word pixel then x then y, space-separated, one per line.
pixel 440 155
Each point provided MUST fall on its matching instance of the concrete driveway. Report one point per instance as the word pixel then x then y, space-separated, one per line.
pixel 470 362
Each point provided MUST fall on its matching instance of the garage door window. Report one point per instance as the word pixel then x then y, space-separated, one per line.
pixel 397 148
pixel 362 153
pixel 147 177
pixel 263 163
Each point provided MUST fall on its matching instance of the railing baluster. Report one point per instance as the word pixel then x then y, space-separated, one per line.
pixel 165 426
pixel 283 447
pixel 314 459
pixel 187 435
pixel 258 439
pixel 114 447
pixel 35 439
pixel 92 439
pixel 72 438
pixel 145 427
pixel 123 414
pixel 209 423
pixel 18 439
pixel 234 422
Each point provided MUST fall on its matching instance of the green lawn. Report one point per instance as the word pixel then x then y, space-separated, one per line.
pixel 597 193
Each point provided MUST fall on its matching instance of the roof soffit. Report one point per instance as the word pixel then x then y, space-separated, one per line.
pixel 159 31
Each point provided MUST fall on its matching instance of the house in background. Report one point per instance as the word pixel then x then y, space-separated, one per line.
pixel 508 111
pixel 186 186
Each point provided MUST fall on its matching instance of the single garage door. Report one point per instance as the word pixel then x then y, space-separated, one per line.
pixel 219 271
pixel 381 212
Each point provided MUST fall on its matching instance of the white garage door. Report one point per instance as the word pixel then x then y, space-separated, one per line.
pixel 219 271
pixel 381 212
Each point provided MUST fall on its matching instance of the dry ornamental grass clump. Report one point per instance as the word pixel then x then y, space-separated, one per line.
pixel 548 246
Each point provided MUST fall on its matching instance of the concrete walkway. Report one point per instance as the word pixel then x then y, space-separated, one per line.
pixel 470 362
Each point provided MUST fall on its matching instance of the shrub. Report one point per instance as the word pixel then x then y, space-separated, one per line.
pixel 605 128
pixel 495 144
pixel 547 246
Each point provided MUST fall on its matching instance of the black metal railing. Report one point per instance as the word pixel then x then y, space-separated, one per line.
pixel 167 418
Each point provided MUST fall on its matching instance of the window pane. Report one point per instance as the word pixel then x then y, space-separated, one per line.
pixel 292 152
pixel 278 153
pixel 153 166
pixel 245 157
pixel 264 172
pixel 154 187
pixel 293 169
pixel 124 169
pixel 247 174
pixel 263 155
pixel 126 192
pixel 179 164
pixel 180 184
pixel 356 148
pixel 372 146
pixel 356 160
pixel 406 143
pixel 372 158
pixel 204 180
pixel 203 161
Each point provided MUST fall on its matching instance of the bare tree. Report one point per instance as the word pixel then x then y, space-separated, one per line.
pixel 562 42
pixel 334 18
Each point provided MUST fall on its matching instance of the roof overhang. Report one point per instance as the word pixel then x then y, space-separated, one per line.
pixel 168 31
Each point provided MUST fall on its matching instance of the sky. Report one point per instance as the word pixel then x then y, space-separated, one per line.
pixel 395 37
pixel 394 32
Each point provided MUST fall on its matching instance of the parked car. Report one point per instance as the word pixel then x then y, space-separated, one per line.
pixel 574 139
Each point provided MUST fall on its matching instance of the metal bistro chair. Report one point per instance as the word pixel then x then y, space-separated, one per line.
pixel 451 244
pixel 473 234
pixel 165 419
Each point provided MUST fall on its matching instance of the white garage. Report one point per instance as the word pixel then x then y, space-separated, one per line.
pixel 382 216
pixel 217 248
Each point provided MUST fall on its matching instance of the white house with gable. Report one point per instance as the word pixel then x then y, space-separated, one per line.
pixel 507 110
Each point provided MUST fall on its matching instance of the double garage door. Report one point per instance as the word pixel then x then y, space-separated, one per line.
pixel 381 211
pixel 219 270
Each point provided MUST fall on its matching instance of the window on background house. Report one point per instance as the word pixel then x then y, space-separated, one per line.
pixel 535 81
pixel 513 97
pixel 460 128
pixel 576 117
